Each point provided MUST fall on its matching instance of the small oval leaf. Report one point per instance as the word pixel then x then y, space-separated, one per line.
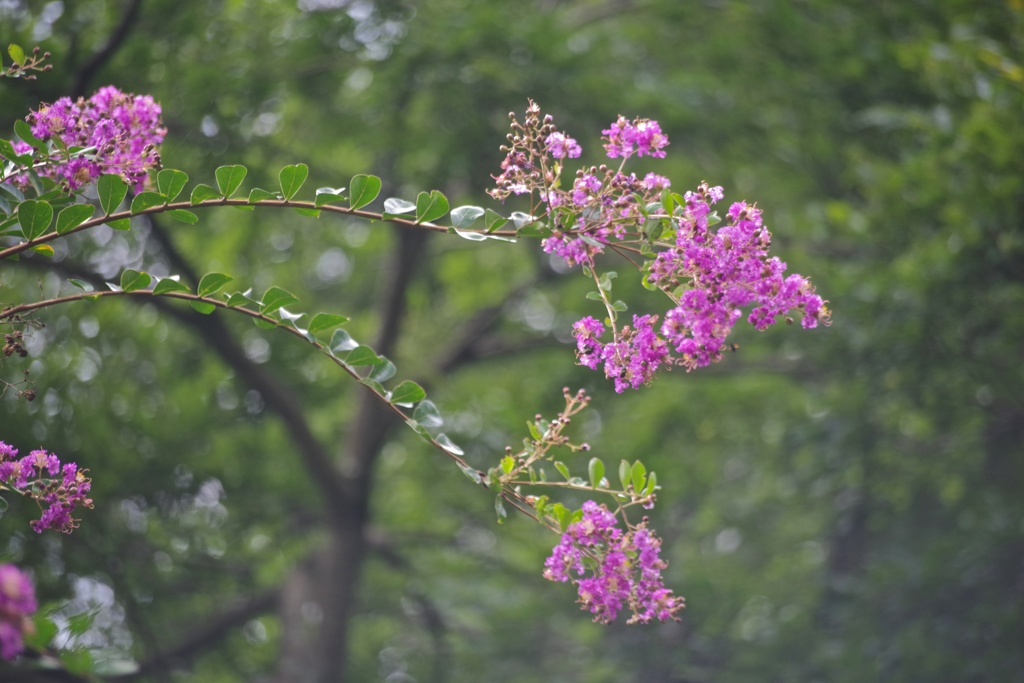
pixel 292 178
pixel 133 280
pixel 325 321
pixel 408 393
pixel 430 207
pixel 111 190
pixel 169 285
pixel 171 182
pixel 363 189
pixel 34 217
pixel 72 216
pixel 229 178
pixel 212 282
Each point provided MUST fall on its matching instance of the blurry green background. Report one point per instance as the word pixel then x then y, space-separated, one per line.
pixel 845 504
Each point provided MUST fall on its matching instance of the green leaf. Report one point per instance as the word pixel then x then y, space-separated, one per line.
pixel 521 220
pixel 444 442
pixel 212 282
pixel 7 150
pixel 408 393
pixel 183 216
pixel 499 509
pixel 383 372
pixel 397 207
pixel 16 53
pixel 72 216
pixel 204 193
pixel 81 623
pixel 77 662
pixel 81 284
pixel 508 463
pixel 229 178
pixel 427 414
pixel 44 633
pixel 373 384
pixel 292 178
pixel 203 307
pixel 638 475
pixel 463 217
pixel 34 217
pixel 258 195
pixel 242 299
pixel 303 211
pixel 362 190
pixel 493 221
pixel 563 470
pixel 652 484
pixel 342 341
pixel 620 306
pixel 133 280
pixel 275 298
pixel 471 236
pixel 24 132
pixel 624 473
pixel 471 473
pixel 147 200
pixel 325 321
pixel 363 355
pixel 430 207
pixel 169 285
pixel 44 249
pixel 111 190
pixel 120 224
pixel 326 195
pixel 596 471
pixel 170 183
pixel 563 515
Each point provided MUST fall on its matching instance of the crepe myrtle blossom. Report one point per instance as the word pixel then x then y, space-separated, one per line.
pixel 57 488
pixel 613 570
pixel 115 132
pixel 17 604
pixel 714 270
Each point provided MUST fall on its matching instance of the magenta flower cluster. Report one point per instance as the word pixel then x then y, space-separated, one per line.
pixel 613 569
pixel 17 604
pixel 117 132
pixel 57 488
pixel 709 274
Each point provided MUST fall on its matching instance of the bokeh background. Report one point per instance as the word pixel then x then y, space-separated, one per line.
pixel 845 504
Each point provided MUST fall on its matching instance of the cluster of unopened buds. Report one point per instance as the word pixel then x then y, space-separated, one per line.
pixel 111 132
pixel 17 604
pixel 709 275
pixel 57 488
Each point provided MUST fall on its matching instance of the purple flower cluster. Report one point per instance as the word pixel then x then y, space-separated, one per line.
pixel 58 489
pixel 631 360
pixel 640 135
pixel 560 145
pixel 625 568
pixel 120 131
pixel 710 275
pixel 17 604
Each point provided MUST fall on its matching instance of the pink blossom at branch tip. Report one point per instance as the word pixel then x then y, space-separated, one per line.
pixel 624 568
pixel 57 488
pixel 17 604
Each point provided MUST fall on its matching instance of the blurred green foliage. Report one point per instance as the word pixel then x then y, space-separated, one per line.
pixel 840 505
